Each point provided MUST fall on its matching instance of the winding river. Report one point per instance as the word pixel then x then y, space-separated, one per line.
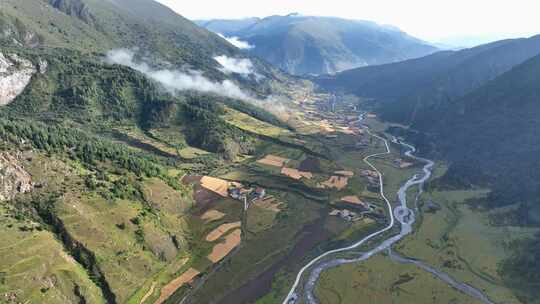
pixel 402 214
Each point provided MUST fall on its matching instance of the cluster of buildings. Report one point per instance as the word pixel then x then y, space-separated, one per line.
pixel 238 192
pixel 347 215
pixel 352 209
pixel 372 177
pixel 333 116
pixel 354 216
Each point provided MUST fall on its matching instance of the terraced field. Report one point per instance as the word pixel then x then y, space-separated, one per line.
pixel 35 266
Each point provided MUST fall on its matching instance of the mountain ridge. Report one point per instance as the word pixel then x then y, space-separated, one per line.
pixel 317 45
pixel 493 142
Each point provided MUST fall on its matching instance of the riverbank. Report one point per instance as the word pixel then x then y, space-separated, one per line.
pixel 404 216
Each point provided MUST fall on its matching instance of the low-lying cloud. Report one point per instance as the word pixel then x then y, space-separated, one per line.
pixel 244 45
pixel 174 80
pixel 234 65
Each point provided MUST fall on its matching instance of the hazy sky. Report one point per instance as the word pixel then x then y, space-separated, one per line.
pixel 427 19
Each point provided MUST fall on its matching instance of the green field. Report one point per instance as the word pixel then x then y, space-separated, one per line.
pixel 455 239
pixel 461 242
pixel 35 268
pixel 379 280
pixel 251 124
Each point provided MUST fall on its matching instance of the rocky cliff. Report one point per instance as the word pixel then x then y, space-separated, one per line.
pixel 14 179
pixel 15 74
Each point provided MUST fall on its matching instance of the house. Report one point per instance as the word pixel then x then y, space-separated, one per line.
pixel 259 193
pixel 334 212
pixel 345 214
pixel 354 201
pixel 234 192
pixel 369 173
pixel 401 164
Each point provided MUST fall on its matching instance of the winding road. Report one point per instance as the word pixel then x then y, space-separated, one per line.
pixel 401 214
pixel 292 296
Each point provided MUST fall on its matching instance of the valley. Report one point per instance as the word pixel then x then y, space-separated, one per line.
pixel 200 242
pixel 149 159
pixel 262 283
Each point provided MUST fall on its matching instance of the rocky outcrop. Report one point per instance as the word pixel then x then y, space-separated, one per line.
pixel 15 74
pixel 13 178
pixel 13 31
pixel 74 8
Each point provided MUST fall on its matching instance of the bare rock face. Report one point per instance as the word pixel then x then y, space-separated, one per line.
pixel 14 32
pixel 74 8
pixel 15 74
pixel 42 66
pixel 13 178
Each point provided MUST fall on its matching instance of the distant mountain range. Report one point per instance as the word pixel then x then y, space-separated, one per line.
pixel 320 45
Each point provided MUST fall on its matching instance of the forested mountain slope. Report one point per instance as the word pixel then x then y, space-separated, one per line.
pixel 91 141
pixel 495 129
pixel 158 35
pixel 102 25
pixel 412 90
pixel 92 154
pixel 490 139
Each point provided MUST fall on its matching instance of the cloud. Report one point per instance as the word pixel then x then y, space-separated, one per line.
pixel 244 45
pixel 233 65
pixel 174 80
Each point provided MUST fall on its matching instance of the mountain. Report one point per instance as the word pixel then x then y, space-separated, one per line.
pixel 493 141
pixel 93 151
pixel 90 143
pixel 319 45
pixel 494 129
pixel 94 25
pixel 409 91
pixel 158 34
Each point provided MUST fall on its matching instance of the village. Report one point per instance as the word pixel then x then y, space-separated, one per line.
pixel 354 209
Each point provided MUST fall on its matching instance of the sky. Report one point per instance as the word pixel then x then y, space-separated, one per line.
pixel 434 21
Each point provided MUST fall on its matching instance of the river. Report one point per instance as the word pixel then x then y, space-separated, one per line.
pixel 402 214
